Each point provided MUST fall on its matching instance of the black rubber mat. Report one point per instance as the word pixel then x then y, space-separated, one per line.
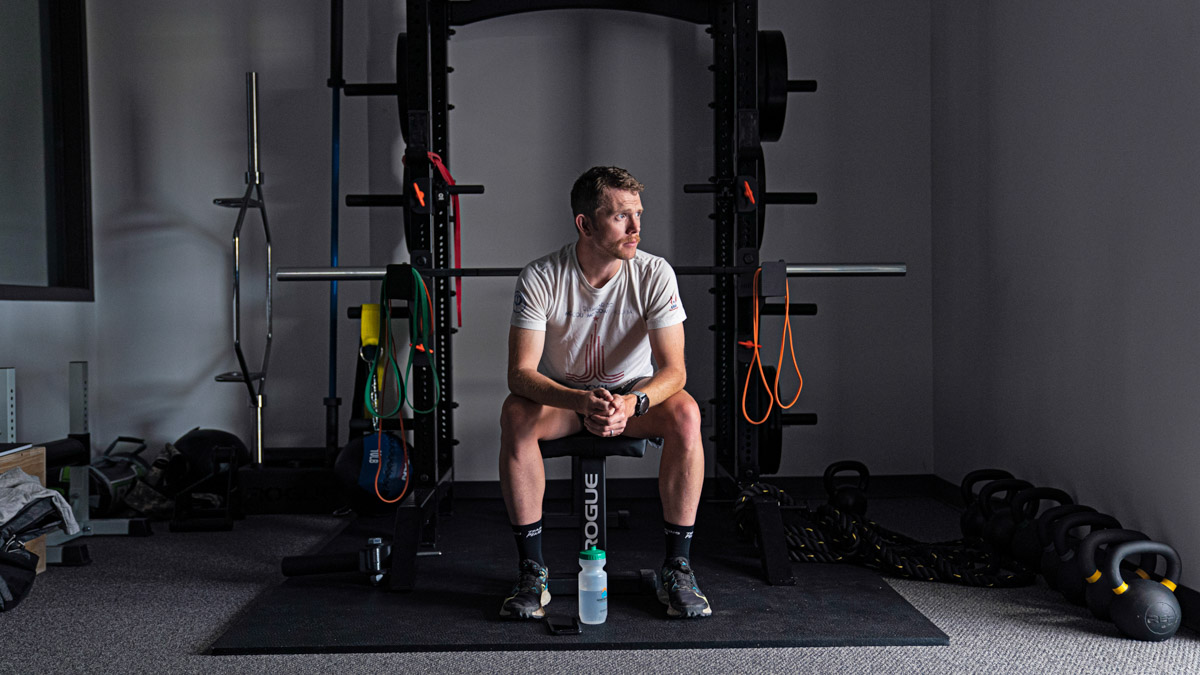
pixel 456 604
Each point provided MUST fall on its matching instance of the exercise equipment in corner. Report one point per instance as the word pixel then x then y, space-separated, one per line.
pixel 1144 609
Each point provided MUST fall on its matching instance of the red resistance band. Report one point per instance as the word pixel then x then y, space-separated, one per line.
pixel 441 167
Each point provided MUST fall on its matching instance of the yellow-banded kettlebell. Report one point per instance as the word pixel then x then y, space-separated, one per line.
pixel 1144 609
pixel 1098 595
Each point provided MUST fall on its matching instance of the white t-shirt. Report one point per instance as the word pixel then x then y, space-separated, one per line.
pixel 596 337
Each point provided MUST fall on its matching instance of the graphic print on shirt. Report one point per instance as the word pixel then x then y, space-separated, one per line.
pixel 594 368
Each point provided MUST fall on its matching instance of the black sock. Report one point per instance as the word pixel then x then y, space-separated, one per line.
pixel 529 541
pixel 679 540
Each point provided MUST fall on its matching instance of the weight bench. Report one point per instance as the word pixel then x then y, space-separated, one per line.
pixel 589 500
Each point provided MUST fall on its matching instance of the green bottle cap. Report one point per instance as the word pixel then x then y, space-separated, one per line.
pixel 592 553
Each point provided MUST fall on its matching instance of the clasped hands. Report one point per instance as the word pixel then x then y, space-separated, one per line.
pixel 605 413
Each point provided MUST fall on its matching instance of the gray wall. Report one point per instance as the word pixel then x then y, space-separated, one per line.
pixel 538 98
pixel 1064 240
pixel 169 135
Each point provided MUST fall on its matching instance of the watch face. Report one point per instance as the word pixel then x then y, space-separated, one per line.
pixel 643 404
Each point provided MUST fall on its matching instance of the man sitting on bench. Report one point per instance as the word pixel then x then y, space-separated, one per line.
pixel 587 319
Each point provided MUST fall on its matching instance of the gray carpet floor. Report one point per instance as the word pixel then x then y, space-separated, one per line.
pixel 156 604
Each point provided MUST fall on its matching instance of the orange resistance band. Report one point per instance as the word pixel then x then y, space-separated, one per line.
pixel 786 336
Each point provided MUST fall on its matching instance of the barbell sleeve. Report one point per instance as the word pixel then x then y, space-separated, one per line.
pixel 867 270
pixel 253 173
pixel 330 273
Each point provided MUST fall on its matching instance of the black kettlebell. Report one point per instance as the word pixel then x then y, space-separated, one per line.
pixel 1144 609
pixel 1098 594
pixel 971 521
pixel 1025 546
pixel 1066 576
pixel 1045 523
pixel 851 498
pixel 997 512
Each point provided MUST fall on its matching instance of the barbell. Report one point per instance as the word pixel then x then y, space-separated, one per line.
pixel 792 270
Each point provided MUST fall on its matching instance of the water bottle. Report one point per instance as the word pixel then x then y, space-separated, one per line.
pixel 593 587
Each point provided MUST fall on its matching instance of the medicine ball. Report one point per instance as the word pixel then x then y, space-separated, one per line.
pixel 356 466
pixel 207 452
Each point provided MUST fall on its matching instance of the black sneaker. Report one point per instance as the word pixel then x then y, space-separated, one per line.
pixel 530 595
pixel 677 590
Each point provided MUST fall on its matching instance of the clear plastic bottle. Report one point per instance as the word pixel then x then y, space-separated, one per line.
pixel 593 587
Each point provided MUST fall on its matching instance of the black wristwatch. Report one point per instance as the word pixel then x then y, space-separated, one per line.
pixel 643 404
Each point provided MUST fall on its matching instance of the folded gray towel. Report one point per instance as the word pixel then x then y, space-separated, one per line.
pixel 18 489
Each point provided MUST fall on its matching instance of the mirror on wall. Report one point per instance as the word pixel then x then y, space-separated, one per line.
pixel 45 161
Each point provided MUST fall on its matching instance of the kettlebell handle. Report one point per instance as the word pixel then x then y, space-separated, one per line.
pixel 1123 551
pixel 1052 515
pixel 977 476
pixel 1010 486
pixel 1027 502
pixel 846 465
pixel 1090 546
pixel 1097 521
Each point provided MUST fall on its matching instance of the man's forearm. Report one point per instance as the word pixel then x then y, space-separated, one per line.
pixel 661 386
pixel 540 389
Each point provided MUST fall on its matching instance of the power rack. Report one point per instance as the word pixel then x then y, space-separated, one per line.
pixel 750 93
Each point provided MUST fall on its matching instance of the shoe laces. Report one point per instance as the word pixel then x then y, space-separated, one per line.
pixel 679 573
pixel 530 578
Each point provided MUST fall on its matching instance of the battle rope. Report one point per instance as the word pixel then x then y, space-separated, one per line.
pixel 828 535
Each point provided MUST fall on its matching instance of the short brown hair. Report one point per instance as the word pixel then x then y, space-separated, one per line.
pixel 589 188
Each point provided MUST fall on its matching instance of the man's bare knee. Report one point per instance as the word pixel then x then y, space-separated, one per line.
pixel 683 416
pixel 518 414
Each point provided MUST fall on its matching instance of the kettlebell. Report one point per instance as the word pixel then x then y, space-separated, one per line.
pixel 971 522
pixel 1025 546
pixel 1044 524
pixel 1144 609
pixel 1066 577
pixel 1098 594
pixel 997 513
pixel 850 498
